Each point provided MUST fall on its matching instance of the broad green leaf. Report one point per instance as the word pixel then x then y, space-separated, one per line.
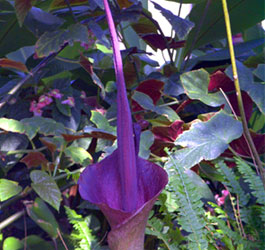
pixel 213 26
pixel 41 214
pixel 42 125
pixel 12 243
pixel 255 90
pixel 78 155
pixel 13 37
pixel 45 186
pixel 12 125
pixel 51 42
pixel 146 102
pixel 196 84
pixel 146 141
pixel 207 140
pixel 181 26
pixel 8 189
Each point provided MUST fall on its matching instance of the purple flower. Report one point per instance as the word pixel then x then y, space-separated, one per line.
pixel 123 185
pixel 69 101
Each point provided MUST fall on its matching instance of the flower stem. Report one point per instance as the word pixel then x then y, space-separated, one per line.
pixel 238 93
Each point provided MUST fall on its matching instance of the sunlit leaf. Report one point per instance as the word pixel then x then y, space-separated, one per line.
pixel 12 125
pixel 8 189
pixel 78 155
pixel 44 185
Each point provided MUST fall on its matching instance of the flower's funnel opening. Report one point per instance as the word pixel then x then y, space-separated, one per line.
pixel 123 185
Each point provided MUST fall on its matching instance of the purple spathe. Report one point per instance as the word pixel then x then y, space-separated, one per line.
pixel 123 185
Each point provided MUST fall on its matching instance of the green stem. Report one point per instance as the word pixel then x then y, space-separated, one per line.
pixel 24 151
pixel 238 94
pixel 11 219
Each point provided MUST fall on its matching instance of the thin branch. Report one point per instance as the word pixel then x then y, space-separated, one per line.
pixel 11 219
pixel 71 11
pixel 238 93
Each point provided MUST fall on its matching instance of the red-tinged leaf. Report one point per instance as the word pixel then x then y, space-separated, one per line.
pixel 22 8
pixel 51 146
pixel 93 134
pixel 144 26
pixel 151 88
pixel 34 159
pixel 124 3
pixel 241 147
pixel 157 41
pixel 130 67
pixel 7 63
pixel 84 62
pixel 220 80
pixel 165 137
pixel 58 4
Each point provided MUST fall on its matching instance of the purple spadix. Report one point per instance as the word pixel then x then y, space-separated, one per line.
pixel 123 185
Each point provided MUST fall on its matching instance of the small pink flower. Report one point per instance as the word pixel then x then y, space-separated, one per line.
pixel 225 192
pixel 33 106
pixel 56 93
pixel 35 109
pixel 37 112
pixel 44 100
pixel 69 101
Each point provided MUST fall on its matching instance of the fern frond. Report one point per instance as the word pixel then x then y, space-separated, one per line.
pixel 82 234
pixel 254 181
pixel 232 183
pixel 191 212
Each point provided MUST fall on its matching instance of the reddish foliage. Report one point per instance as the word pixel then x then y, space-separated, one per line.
pixel 34 159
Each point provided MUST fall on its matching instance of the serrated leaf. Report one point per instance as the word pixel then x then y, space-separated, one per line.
pixel 41 214
pixel 78 155
pixel 12 125
pixel 42 125
pixel 45 186
pixel 181 26
pixel 34 159
pixel 8 63
pixel 8 189
pixel 22 8
pixel 196 83
pixel 255 90
pixel 207 140
pixel 51 42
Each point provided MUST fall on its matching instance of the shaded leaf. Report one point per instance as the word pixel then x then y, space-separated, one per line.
pixel 147 103
pixel 146 141
pixel 59 4
pixel 157 41
pixel 78 155
pixel 213 27
pixel 207 140
pixel 44 185
pixel 101 122
pixel 196 83
pixel 51 42
pixel 7 63
pixel 22 8
pixel 41 214
pixel 260 72
pixel 8 189
pixel 181 26
pixel 12 125
pixel 255 90
pixel 34 159
pixel 84 62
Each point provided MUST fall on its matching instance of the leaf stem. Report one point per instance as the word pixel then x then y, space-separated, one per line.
pixel 238 93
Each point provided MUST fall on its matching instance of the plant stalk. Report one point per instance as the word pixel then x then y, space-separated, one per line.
pixel 238 94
